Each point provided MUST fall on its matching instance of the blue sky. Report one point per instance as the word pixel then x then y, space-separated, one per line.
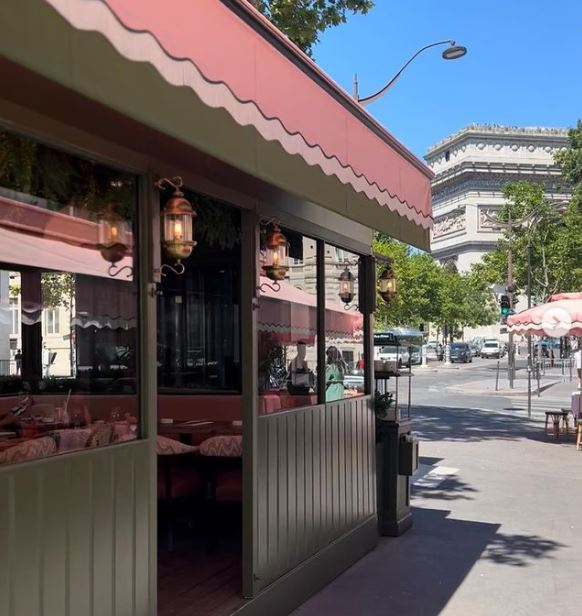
pixel 523 66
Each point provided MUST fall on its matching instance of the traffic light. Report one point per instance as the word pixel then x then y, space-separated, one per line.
pixel 505 305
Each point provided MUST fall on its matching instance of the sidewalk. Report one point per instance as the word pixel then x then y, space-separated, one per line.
pixel 500 534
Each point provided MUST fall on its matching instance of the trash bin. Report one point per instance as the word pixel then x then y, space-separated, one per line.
pixel 397 461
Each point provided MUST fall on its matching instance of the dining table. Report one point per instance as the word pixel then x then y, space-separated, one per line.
pixel 196 431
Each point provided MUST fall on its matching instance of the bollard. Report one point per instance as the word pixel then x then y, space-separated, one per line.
pixel 447 353
pixel 497 377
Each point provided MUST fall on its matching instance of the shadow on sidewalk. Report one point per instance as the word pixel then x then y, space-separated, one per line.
pixel 413 575
pixel 418 573
pixel 449 490
pixel 473 425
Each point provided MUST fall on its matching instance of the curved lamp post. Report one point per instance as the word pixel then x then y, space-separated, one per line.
pixel 452 52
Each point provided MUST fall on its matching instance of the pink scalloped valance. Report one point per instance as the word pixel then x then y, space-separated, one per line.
pixel 205 46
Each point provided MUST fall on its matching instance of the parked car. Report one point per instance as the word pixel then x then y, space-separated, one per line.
pixel 461 352
pixel 492 348
pixel 394 353
pixel 475 350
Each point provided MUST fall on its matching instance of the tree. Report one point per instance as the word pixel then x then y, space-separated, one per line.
pixel 555 242
pixel 431 293
pixel 303 20
pixel 571 162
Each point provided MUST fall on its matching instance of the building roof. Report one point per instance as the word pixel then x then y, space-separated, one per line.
pixel 498 130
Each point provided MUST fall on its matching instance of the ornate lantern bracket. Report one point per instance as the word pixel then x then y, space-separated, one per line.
pixel 177 226
pixel 276 249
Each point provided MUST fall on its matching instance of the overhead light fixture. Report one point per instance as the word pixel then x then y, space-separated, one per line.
pixel 177 226
pixel 276 253
pixel 346 286
pixel 387 284
pixel 454 51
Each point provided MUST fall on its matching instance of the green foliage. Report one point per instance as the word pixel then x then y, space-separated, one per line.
pixel 303 20
pixel 555 240
pixel 63 179
pixel 57 289
pixel 431 293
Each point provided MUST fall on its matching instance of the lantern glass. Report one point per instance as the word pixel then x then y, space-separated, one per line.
pixel 276 254
pixel 178 227
pixel 387 284
pixel 113 230
pixel 346 286
pixel 114 235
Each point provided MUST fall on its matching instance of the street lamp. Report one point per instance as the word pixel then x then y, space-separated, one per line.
pixel 452 52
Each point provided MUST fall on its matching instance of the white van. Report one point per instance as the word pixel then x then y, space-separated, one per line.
pixel 492 348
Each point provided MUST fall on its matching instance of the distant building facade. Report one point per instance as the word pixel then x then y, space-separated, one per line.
pixel 471 167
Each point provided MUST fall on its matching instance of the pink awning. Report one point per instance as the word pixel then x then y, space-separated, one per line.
pixel 248 68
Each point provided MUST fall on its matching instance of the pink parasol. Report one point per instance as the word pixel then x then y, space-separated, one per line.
pixel 561 316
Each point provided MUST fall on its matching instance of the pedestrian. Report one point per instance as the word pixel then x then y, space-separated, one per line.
pixel 578 362
pixel 18 360
pixel 335 370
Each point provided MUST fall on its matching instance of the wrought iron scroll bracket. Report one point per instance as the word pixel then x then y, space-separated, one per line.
pixel 114 271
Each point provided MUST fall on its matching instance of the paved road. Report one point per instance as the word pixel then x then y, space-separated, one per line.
pixel 498 516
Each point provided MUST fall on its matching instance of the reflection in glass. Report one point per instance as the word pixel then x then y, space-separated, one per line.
pixel 287 330
pixel 67 330
pixel 344 336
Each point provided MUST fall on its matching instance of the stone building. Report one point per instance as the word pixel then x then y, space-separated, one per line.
pixel 471 167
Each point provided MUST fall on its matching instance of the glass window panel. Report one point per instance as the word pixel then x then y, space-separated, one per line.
pixel 344 323
pixel 287 331
pixel 199 311
pixel 68 330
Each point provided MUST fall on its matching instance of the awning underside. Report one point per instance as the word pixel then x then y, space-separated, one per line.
pixel 224 89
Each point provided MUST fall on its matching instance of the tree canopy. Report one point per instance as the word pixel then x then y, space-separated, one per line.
pixel 304 20
pixel 431 293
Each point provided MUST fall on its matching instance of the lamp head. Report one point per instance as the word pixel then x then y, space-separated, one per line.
pixel 454 51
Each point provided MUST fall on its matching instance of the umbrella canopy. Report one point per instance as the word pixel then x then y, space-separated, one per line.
pixel 561 316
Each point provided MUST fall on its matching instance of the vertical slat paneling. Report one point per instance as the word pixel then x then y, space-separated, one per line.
pixel 102 549
pixel 271 458
pixel 315 481
pixel 74 535
pixel 54 515
pixel 26 557
pixel 300 517
pixel 142 525
pixel 79 507
pixel 6 541
pixel 262 494
pixel 124 548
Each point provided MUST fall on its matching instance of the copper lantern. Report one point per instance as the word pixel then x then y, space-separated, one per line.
pixel 114 236
pixel 177 226
pixel 277 254
pixel 346 286
pixel 387 284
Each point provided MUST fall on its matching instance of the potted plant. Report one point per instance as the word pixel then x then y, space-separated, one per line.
pixel 384 406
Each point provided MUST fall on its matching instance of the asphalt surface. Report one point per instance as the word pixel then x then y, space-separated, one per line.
pixel 497 511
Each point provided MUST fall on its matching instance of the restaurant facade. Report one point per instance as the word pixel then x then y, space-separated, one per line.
pixel 187 289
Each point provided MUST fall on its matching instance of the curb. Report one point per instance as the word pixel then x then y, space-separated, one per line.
pixel 501 392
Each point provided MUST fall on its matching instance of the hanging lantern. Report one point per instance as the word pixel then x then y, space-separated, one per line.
pixel 387 284
pixel 277 254
pixel 346 286
pixel 114 236
pixel 177 223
